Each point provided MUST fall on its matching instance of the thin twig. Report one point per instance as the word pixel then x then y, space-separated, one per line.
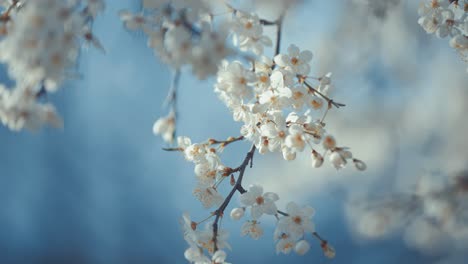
pixel 224 143
pixel 330 101
pixel 279 30
pixel 171 98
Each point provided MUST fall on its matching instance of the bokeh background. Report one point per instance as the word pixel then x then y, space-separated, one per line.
pixel 101 190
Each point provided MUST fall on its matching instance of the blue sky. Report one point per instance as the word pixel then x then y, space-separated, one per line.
pixel 101 190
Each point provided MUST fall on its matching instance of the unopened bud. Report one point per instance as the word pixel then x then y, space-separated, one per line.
pixel 328 250
pixel 302 247
pixel 232 181
pixel 237 213
pixel 359 164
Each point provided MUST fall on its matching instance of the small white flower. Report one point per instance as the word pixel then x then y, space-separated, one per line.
pixel 285 244
pixel 219 257
pixel 296 60
pixel 207 195
pixel 165 126
pixel 288 153
pixel 206 238
pixel 337 159
pixel 317 159
pixel 295 140
pixel 252 228
pixel 262 203
pixel 195 255
pixel 298 221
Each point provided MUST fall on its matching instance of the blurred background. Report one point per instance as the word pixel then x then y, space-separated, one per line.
pixel 101 190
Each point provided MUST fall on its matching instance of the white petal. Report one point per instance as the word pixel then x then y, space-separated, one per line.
pixel 293 50
pixel 247 199
pixel 256 212
pixel 271 196
pixel 305 56
pixel 256 190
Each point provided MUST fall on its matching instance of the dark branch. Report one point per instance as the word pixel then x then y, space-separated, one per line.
pixel 238 186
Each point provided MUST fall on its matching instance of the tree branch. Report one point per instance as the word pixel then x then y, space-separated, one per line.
pixel 237 186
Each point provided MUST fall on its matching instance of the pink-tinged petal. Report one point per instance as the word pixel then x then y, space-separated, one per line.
pixel 256 212
pixel 271 196
pixel 255 190
pixel 293 50
pixel 247 198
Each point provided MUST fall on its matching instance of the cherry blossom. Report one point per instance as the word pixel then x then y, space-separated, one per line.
pixel 261 203
pixel 252 229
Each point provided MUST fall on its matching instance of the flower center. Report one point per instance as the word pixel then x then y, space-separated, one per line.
pixel 316 104
pixel 298 95
pixel 294 61
pixel 297 220
pixel 264 79
pixel 248 25
pixel 260 200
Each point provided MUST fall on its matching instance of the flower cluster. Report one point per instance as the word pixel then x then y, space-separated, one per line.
pixel 180 33
pixel 248 32
pixel 291 228
pixel 40 42
pixel 280 109
pixel 447 18
pixel 200 240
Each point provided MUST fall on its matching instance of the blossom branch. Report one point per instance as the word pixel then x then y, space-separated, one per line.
pixel 312 89
pixel 237 187
pixel 224 143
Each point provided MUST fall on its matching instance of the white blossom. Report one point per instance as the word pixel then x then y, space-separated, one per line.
pixel 261 203
pixel 252 229
pixel 165 126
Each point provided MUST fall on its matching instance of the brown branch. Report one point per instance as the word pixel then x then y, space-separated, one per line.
pixel 224 143
pixel 5 16
pixel 238 186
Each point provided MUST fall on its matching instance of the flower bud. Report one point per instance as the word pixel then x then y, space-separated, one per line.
pixel 317 159
pixel 302 247
pixel 328 250
pixel 237 213
pixel 359 164
pixel 329 142
pixel 337 160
